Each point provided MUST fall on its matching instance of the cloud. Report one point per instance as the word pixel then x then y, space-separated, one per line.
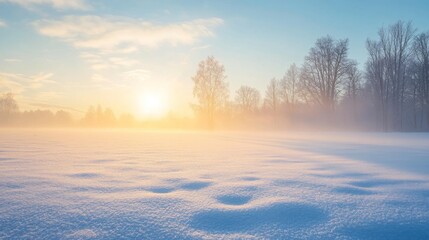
pixel 57 4
pixel 11 83
pixel 40 79
pixel 124 34
pixel 200 47
pixel 47 96
pixel 98 78
pixel 2 24
pixel 12 60
pixel 27 88
pixel 136 75
pixel 110 45
pixel 17 83
pixel 99 62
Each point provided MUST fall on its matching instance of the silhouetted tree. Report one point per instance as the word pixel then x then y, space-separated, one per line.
pixel 388 60
pixel 376 75
pixel 8 104
pixel 272 96
pixel 210 89
pixel 99 117
pixel 324 69
pixel 289 87
pixel 247 99
pixel 90 117
pixel 352 87
pixel 38 118
pixel 421 71
pixel 396 44
pixel 8 108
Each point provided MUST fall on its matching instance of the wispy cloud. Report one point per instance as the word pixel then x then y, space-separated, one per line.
pixel 29 88
pixel 47 96
pixel 17 83
pixel 99 62
pixel 98 78
pixel 57 4
pixel 106 43
pixel 2 24
pixel 122 34
pixel 136 75
pixel 200 47
pixel 10 82
pixel 40 79
pixel 12 60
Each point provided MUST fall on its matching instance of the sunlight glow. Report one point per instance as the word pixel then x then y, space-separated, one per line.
pixel 153 104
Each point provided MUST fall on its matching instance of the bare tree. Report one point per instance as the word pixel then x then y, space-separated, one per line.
pixel 421 64
pixel 99 117
pixel 414 93
pixel 353 86
pixel 396 42
pixel 388 60
pixel 8 104
pixel 289 86
pixel 272 96
pixel 324 69
pixel 90 117
pixel 210 88
pixel 376 75
pixel 247 99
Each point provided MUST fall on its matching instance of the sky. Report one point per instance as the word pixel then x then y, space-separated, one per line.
pixel 69 54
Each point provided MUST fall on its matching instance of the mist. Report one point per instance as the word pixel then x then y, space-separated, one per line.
pixel 214 119
pixel 329 91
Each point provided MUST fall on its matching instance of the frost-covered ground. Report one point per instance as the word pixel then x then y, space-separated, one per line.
pixel 64 184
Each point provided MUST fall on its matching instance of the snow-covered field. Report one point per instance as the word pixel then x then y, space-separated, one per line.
pixel 79 184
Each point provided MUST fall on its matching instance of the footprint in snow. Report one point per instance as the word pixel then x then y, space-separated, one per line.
pixel 194 185
pixel 234 199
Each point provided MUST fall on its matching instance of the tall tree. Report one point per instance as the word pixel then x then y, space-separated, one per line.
pixel 247 99
pixel 389 58
pixel 289 86
pixel 353 86
pixel 272 96
pixel 376 75
pixel 8 104
pixel 90 116
pixel 396 43
pixel 414 93
pixel 324 69
pixel 421 56
pixel 210 89
pixel 8 108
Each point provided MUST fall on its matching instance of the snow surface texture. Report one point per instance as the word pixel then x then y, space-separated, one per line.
pixel 59 184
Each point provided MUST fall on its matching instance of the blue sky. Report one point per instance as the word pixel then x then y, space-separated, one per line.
pixel 74 53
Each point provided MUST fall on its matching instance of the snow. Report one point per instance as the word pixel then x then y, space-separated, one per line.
pixel 112 184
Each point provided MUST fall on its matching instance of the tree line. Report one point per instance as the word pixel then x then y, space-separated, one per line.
pixel 95 117
pixel 390 93
pixel 11 116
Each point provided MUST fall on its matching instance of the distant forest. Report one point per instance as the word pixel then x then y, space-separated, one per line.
pixel 390 92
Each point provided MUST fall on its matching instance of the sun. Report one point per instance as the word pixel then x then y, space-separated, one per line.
pixel 153 105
